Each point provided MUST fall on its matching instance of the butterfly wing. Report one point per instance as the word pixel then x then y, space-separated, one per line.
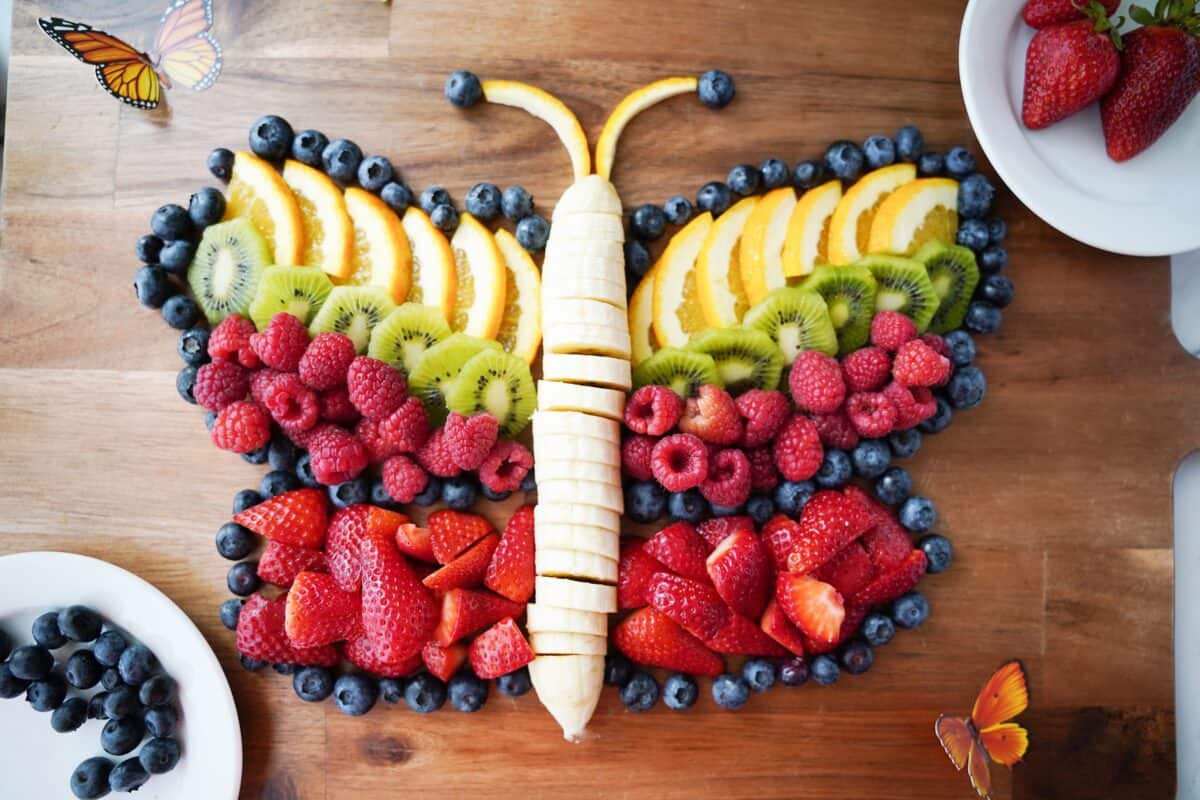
pixel 187 53
pixel 1003 697
pixel 130 82
pixel 977 770
pixel 956 738
pixel 123 71
pixel 1005 743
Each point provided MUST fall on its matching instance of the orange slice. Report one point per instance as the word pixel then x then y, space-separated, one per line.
pixel 382 256
pixel 479 268
pixel 256 190
pixel 434 281
pixel 850 228
pixel 521 326
pixel 761 250
pixel 328 231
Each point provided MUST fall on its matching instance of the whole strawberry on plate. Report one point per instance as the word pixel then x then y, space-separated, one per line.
pixel 1070 66
pixel 1044 13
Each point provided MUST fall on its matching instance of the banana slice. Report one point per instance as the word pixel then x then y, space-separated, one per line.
pixel 560 267
pixel 569 687
pixel 573 423
pixel 584 288
pixel 575 449
pixel 558 643
pixel 613 373
pixel 599 472
pixel 587 341
pixel 554 396
pixel 590 226
pixel 570 490
pixel 552 619
pixel 575 564
pixel 581 538
pixel 567 593
pixel 592 193
pixel 592 313
pixel 566 249
pixel 548 513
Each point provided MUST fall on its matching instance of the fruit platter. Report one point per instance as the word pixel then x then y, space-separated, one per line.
pixel 624 456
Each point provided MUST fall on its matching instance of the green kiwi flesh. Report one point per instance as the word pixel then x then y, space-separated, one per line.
pixel 904 286
pixel 685 372
pixel 354 311
pixel 954 274
pixel 849 294
pixel 299 291
pixel 437 369
pixel 226 270
pixel 796 320
pixel 498 383
pixel 745 358
pixel 405 334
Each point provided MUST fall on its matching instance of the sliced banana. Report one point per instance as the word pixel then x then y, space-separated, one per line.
pixel 570 490
pixel 600 402
pixel 575 564
pixel 565 249
pixel 581 595
pixel 552 619
pixel 587 341
pixel 569 687
pixel 594 471
pixel 575 449
pixel 590 194
pixel 558 643
pixel 590 226
pixel 613 373
pixel 576 311
pixel 574 423
pixel 584 288
pixel 563 268
pixel 581 538
pixel 548 512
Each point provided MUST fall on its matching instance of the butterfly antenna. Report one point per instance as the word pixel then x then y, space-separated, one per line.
pixel 549 109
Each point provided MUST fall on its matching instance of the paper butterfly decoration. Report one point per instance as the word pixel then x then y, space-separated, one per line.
pixel 988 734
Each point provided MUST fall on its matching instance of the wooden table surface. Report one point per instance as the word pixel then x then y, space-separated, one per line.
pixel 1056 491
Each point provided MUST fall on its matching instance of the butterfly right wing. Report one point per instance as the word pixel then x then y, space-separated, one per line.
pixel 1005 743
pixel 1003 697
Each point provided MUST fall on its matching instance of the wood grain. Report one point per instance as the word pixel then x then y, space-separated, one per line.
pixel 1056 491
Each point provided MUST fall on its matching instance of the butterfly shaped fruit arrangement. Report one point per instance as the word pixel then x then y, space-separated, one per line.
pixel 989 734
pixel 184 52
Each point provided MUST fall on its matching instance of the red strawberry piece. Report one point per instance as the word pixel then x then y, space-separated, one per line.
pixel 511 571
pixel 739 636
pixel 850 624
pixel 763 414
pixel 650 637
pixel 344 537
pixel 780 536
pixel 813 606
pixel 297 518
pixel 1067 68
pixel 282 344
pixel 836 430
pixel 362 653
pixel 694 605
pixel 741 572
pixel 828 523
pixel 465 611
pixel 681 550
pixel 326 360
pixel 336 407
pixel 452 532
pixel 336 456
pixel 413 541
pixel 890 329
pixel 728 481
pixel 241 427
pixel 798 451
pixel 499 650
pixel 422 569
pixel 634 570
pixel 867 369
pixel 907 411
pixel 280 563
pixel 443 662
pixel 712 416
pixel 408 426
pixel 318 611
pixel 261 636
pixel 848 571
pixel 679 462
pixel 435 456
pixel 816 382
pixel 398 613
pixel 230 341
pixel 403 478
pixel 219 383
pixel 260 379
pixel 1044 13
pixel 887 544
pixel 378 449
pixel 653 410
pixel 636 457
pixel 470 439
pixel 876 511
pixel 763 475
pixel 715 530
pixel 918 364
pixel 872 414
pixel 775 624
pixel 506 466
pixel 376 388
pixel 890 585
pixel 467 570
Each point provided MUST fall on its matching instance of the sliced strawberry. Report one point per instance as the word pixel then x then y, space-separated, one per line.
pixel 280 563
pixel 780 536
pixel 318 611
pixel 343 540
pixel 680 549
pixel 261 635
pixel 741 572
pixel 853 619
pixel 828 523
pixel 451 532
pixel 466 571
pixel 443 662
pixel 499 650
pixel 875 509
pixel 815 607
pixel 465 611
pixel 848 571
pixel 716 529
pixel 297 518
pixel 887 544
pixel 776 625
pixel 649 637
pixel 413 541
pixel 398 613
pixel 634 571
pixel 742 637
pixel 511 571
pixel 362 653
pixel 694 605
pixel 900 580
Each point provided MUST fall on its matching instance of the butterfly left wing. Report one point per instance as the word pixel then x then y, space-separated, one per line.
pixel 1005 743
pixel 123 71
pixel 956 738
pixel 184 49
pixel 977 770
pixel 1003 697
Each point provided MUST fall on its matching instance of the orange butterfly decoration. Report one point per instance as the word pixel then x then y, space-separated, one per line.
pixel 184 52
pixel 988 734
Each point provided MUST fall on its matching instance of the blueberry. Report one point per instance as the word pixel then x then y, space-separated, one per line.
pixel 185 384
pixel 282 454
pixel 137 664
pixel 70 715
pixel 910 610
pixel 835 469
pixel 220 163
pixel 730 691
pixel 824 670
pixel 160 721
pixel 516 203
pixel 640 692
pixel 444 217
pixel 284 669
pixel 46 694
pixel 430 494
pixel 313 684
pixel 880 151
pixel 467 693
pixel 637 259
pixel 993 259
pixel 463 88
pixel 617 669
pixel 493 496
pixel 966 388
pixel 791 496
pixel 940 419
pixel 307 146
pixel 529 482
pixel 809 174
pixel 997 290
pixel 878 629
pixel 775 173
pixel 398 196
pixel 857 657
pixel 375 172
pixel 355 694
pixel 128 776
pixel 176 257
pixel 647 222
pixel 206 207
pixel 983 317
pixel 278 481
pixel 10 685
pixel 111 679
pixel 120 736
pixel 678 210
pixel 434 196
pixel 515 684
pixel 793 672
pixel 425 693
pixel 180 311
pixel 157 690
pixel 6 645
pixel 716 89
pixel 243 578
pixel 30 662
pixel 761 508
pixel 759 673
pixel 46 631
pixel 340 159
pixel 483 201
pixel 973 233
pixel 251 664
pixel 151 286
pixel 460 492
pixel 714 197
pixel 90 778
pixel 532 232
pixel 918 514
pixel 256 456
pixel 391 690
pixel 844 160
pixel 959 162
pixel 680 692
pixel 147 248
pixel 235 542
pixel 192 346
pixel 210 419
pixel 351 492
pixel 894 486
pixel 744 180
pixel 304 471
pixel 244 499
pixel 962 347
pixel 997 230
pixel 975 196
pixel 689 506
pixel 931 165
pixel 938 550
pixel 905 443
pixel 82 670
pixel 271 138
pixel 871 457
pixel 645 501
pixel 909 143
pixel 171 222
pixel 725 511
pixel 380 496
pixel 159 755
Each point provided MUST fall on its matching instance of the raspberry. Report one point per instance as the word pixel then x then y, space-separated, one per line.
pixel 728 481
pixel 470 439
pixel 505 466
pixel 712 416
pixel 325 361
pixel 403 478
pixel 653 410
pixel 260 379
pixel 435 456
pixel 376 387
pixel 907 413
pixel 408 426
pixel 937 343
pixel 369 432
pixel 219 383
pixel 241 427
pixel 635 457
pixel 926 404
pixel 292 404
pixel 302 438
pixel 816 382
pixel 890 329
pixel 867 370
pixel 282 344
pixel 918 364
pixel 763 477
pixel 836 430
pixel 764 413
pixel 230 340
pixel 797 449
pixel 336 406
pixel 872 413
pixel 679 462
pixel 336 455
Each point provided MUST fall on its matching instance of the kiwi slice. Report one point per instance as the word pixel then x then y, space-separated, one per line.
pixel 745 358
pixel 849 294
pixel 299 291
pixel 225 272
pixel 953 272
pixel 405 334
pixel 684 371
pixel 498 383
pixel 354 311
pixel 904 286
pixel 795 320
pixel 437 369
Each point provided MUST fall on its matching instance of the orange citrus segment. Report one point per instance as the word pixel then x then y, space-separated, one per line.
pixel 381 255
pixel 434 281
pixel 634 103
pixel 718 274
pixel 761 250
pixel 806 243
pixel 850 228
pixel 257 191
pixel 328 231
pixel 641 320
pixel 677 313
pixel 550 110
pixel 521 326
pixel 922 211
pixel 479 266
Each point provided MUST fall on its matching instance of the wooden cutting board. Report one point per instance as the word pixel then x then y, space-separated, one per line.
pixel 1056 491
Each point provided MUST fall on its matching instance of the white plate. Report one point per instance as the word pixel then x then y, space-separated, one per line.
pixel 36 762
pixel 1145 206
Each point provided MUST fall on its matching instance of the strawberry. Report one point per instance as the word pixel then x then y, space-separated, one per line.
pixel 742 637
pixel 1068 67
pixel 741 572
pixel 499 650
pixel 634 570
pixel 465 611
pixel 362 653
pixel 877 511
pixel 680 549
pixel 890 585
pixel 343 539
pixel 451 532
pixel 695 606
pixel 511 571
pixel 848 571
pixel 296 518
pixel 775 624
pixel 261 635
pixel 779 536
pixel 318 611
pixel 887 544
pixel 715 530
pixel 828 523
pixel 443 662
pixel 398 613
pixel 853 619
pixel 1044 13
pixel 712 415
pixel 815 607
pixel 280 563
pixel 466 571
pixel 651 638
pixel 413 541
